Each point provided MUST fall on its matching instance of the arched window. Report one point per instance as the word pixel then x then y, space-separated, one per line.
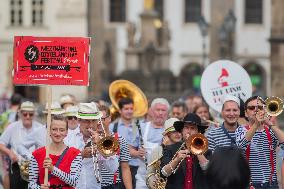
pixel 37 12
pixel 117 10
pixel 253 11
pixel 190 77
pixel 16 12
pixel 257 76
pixel 192 10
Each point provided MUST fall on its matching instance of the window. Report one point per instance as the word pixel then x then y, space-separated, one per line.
pixel 192 10
pixel 159 7
pixel 16 12
pixel 37 12
pixel 253 11
pixel 117 10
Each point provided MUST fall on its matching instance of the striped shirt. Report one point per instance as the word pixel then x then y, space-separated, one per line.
pixel 259 160
pixel 218 138
pixel 69 178
pixel 124 156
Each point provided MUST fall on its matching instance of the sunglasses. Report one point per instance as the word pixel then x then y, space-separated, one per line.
pixel 104 118
pixel 255 107
pixel 71 118
pixel 25 114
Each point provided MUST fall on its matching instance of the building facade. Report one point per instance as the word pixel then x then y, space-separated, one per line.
pixel 237 30
pixel 38 18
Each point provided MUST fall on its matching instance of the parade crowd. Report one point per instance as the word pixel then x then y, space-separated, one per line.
pixel 91 148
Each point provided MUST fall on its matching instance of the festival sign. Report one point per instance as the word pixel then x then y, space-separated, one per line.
pixel 51 60
pixel 222 78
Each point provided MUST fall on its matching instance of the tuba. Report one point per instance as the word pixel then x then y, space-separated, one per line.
pixel 274 106
pixel 125 89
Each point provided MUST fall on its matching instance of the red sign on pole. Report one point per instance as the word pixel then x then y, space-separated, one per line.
pixel 51 60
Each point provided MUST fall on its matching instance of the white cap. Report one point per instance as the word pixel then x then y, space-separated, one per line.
pixel 169 125
pixel 231 98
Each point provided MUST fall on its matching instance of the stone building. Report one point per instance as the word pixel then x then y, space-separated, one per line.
pixel 129 43
pixel 277 48
pixel 38 18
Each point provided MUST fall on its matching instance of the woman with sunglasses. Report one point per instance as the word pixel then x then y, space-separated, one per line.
pixel 73 137
pixel 63 164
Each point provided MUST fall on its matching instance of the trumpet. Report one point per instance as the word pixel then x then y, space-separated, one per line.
pixel 197 144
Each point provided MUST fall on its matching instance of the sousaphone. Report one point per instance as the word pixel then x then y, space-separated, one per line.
pixel 125 89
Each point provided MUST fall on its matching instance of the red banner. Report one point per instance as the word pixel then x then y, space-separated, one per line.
pixel 51 60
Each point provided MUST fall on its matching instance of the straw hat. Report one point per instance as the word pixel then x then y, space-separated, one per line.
pixel 55 109
pixel 27 106
pixel 89 111
pixel 66 99
pixel 71 111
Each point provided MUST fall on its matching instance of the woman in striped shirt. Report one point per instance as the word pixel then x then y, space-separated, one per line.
pixel 64 163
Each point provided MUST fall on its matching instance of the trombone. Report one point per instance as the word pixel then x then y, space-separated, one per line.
pixel 197 144
pixel 107 146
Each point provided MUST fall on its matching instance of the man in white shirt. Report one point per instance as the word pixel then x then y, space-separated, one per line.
pixel 88 118
pixel 13 137
pixel 71 139
pixel 152 133
pixel 37 137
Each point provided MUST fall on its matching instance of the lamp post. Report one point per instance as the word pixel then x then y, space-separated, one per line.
pixel 226 35
pixel 203 26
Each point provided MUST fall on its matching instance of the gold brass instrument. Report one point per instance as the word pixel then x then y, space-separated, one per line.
pixel 125 89
pixel 24 169
pixel 274 106
pixel 197 144
pixel 107 145
pixel 154 180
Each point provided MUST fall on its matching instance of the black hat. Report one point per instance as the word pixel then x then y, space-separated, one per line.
pixel 190 118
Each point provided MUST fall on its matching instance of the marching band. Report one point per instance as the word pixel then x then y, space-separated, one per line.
pixel 163 146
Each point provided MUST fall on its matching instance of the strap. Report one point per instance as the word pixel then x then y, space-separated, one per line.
pixel 59 160
pixel 114 130
pixel 115 176
pixel 271 152
pixel 233 141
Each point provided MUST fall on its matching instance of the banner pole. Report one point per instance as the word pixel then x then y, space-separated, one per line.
pixel 48 122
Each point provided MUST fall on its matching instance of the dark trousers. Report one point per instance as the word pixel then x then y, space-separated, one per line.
pixel 16 182
pixel 114 186
pixel 133 170
pixel 273 185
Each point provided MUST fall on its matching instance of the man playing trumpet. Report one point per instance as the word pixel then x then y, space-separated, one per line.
pixel 259 140
pixel 180 166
